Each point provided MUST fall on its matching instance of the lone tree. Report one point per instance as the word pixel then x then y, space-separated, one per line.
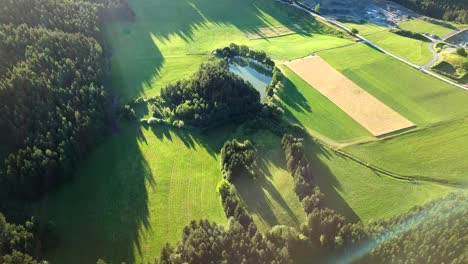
pixel 461 52
pixel 354 31
pixel 317 8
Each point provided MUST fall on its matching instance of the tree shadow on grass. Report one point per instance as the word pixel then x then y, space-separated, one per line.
pixel 137 58
pixel 293 98
pixel 327 181
pixel 101 213
pixel 259 194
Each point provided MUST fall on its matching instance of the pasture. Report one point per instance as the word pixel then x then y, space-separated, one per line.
pixel 361 193
pixel 270 198
pixel 162 46
pixel 436 153
pixel 419 97
pixel 134 193
pixel 372 114
pixel 422 26
pixel 413 50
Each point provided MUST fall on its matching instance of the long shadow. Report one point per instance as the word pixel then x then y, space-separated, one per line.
pixel 101 213
pixel 327 181
pixel 136 46
pixel 294 99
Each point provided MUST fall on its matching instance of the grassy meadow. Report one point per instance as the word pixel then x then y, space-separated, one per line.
pixel 413 50
pixel 419 97
pixel 134 193
pixel 169 39
pixel 270 198
pixel 436 153
pixel 361 193
pixel 421 26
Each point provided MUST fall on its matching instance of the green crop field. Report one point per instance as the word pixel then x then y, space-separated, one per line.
pixel 135 193
pixel 417 96
pixel 306 106
pixel 270 198
pixel 421 26
pixel 437 153
pixel 360 193
pixel 366 28
pixel 413 50
pixel 169 39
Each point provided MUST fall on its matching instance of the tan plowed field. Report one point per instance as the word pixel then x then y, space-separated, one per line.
pixel 371 113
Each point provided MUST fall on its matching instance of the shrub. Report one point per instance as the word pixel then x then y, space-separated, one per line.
pixel 238 159
pixel 461 52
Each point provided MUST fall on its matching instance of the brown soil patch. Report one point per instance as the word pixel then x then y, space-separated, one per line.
pixel 371 113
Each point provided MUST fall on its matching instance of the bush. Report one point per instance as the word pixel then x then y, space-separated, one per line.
pixel 238 159
pixel 354 31
pixel 461 52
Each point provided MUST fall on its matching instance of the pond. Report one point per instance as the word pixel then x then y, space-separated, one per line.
pixel 259 80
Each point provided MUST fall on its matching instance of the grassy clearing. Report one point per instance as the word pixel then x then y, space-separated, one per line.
pixel 270 198
pixel 162 45
pixel 135 193
pixel 366 28
pixel 360 193
pixel 306 106
pixel 413 50
pixel 421 26
pixel 420 98
pixel 437 152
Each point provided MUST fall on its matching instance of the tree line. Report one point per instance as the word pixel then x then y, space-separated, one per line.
pixel 451 10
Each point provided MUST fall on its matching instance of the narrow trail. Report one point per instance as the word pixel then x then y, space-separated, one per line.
pixel 368 42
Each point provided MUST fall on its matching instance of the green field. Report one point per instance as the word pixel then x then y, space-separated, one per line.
pixel 169 39
pixel 322 118
pixel 417 96
pixel 270 198
pixel 421 26
pixel 413 50
pixel 134 193
pixel 366 28
pixel 437 153
pixel 360 193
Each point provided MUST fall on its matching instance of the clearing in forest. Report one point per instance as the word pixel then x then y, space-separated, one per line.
pixel 371 113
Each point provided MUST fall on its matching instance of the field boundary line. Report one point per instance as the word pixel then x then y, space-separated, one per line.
pixel 368 42
pixel 410 178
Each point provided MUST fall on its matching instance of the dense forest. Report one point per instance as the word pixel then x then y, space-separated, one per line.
pixel 452 10
pixel 52 100
pixel 53 106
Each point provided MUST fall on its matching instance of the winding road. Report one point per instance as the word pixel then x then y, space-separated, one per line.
pixel 368 42
pixel 435 55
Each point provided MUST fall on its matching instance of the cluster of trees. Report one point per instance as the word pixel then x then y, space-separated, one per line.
pixel 408 34
pixel 238 159
pixel 452 10
pixel 325 228
pixel 52 100
pixel 16 243
pixel 205 242
pixel 235 50
pixel 213 96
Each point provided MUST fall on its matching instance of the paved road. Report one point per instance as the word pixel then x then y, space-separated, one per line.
pixel 368 42
pixel 435 55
